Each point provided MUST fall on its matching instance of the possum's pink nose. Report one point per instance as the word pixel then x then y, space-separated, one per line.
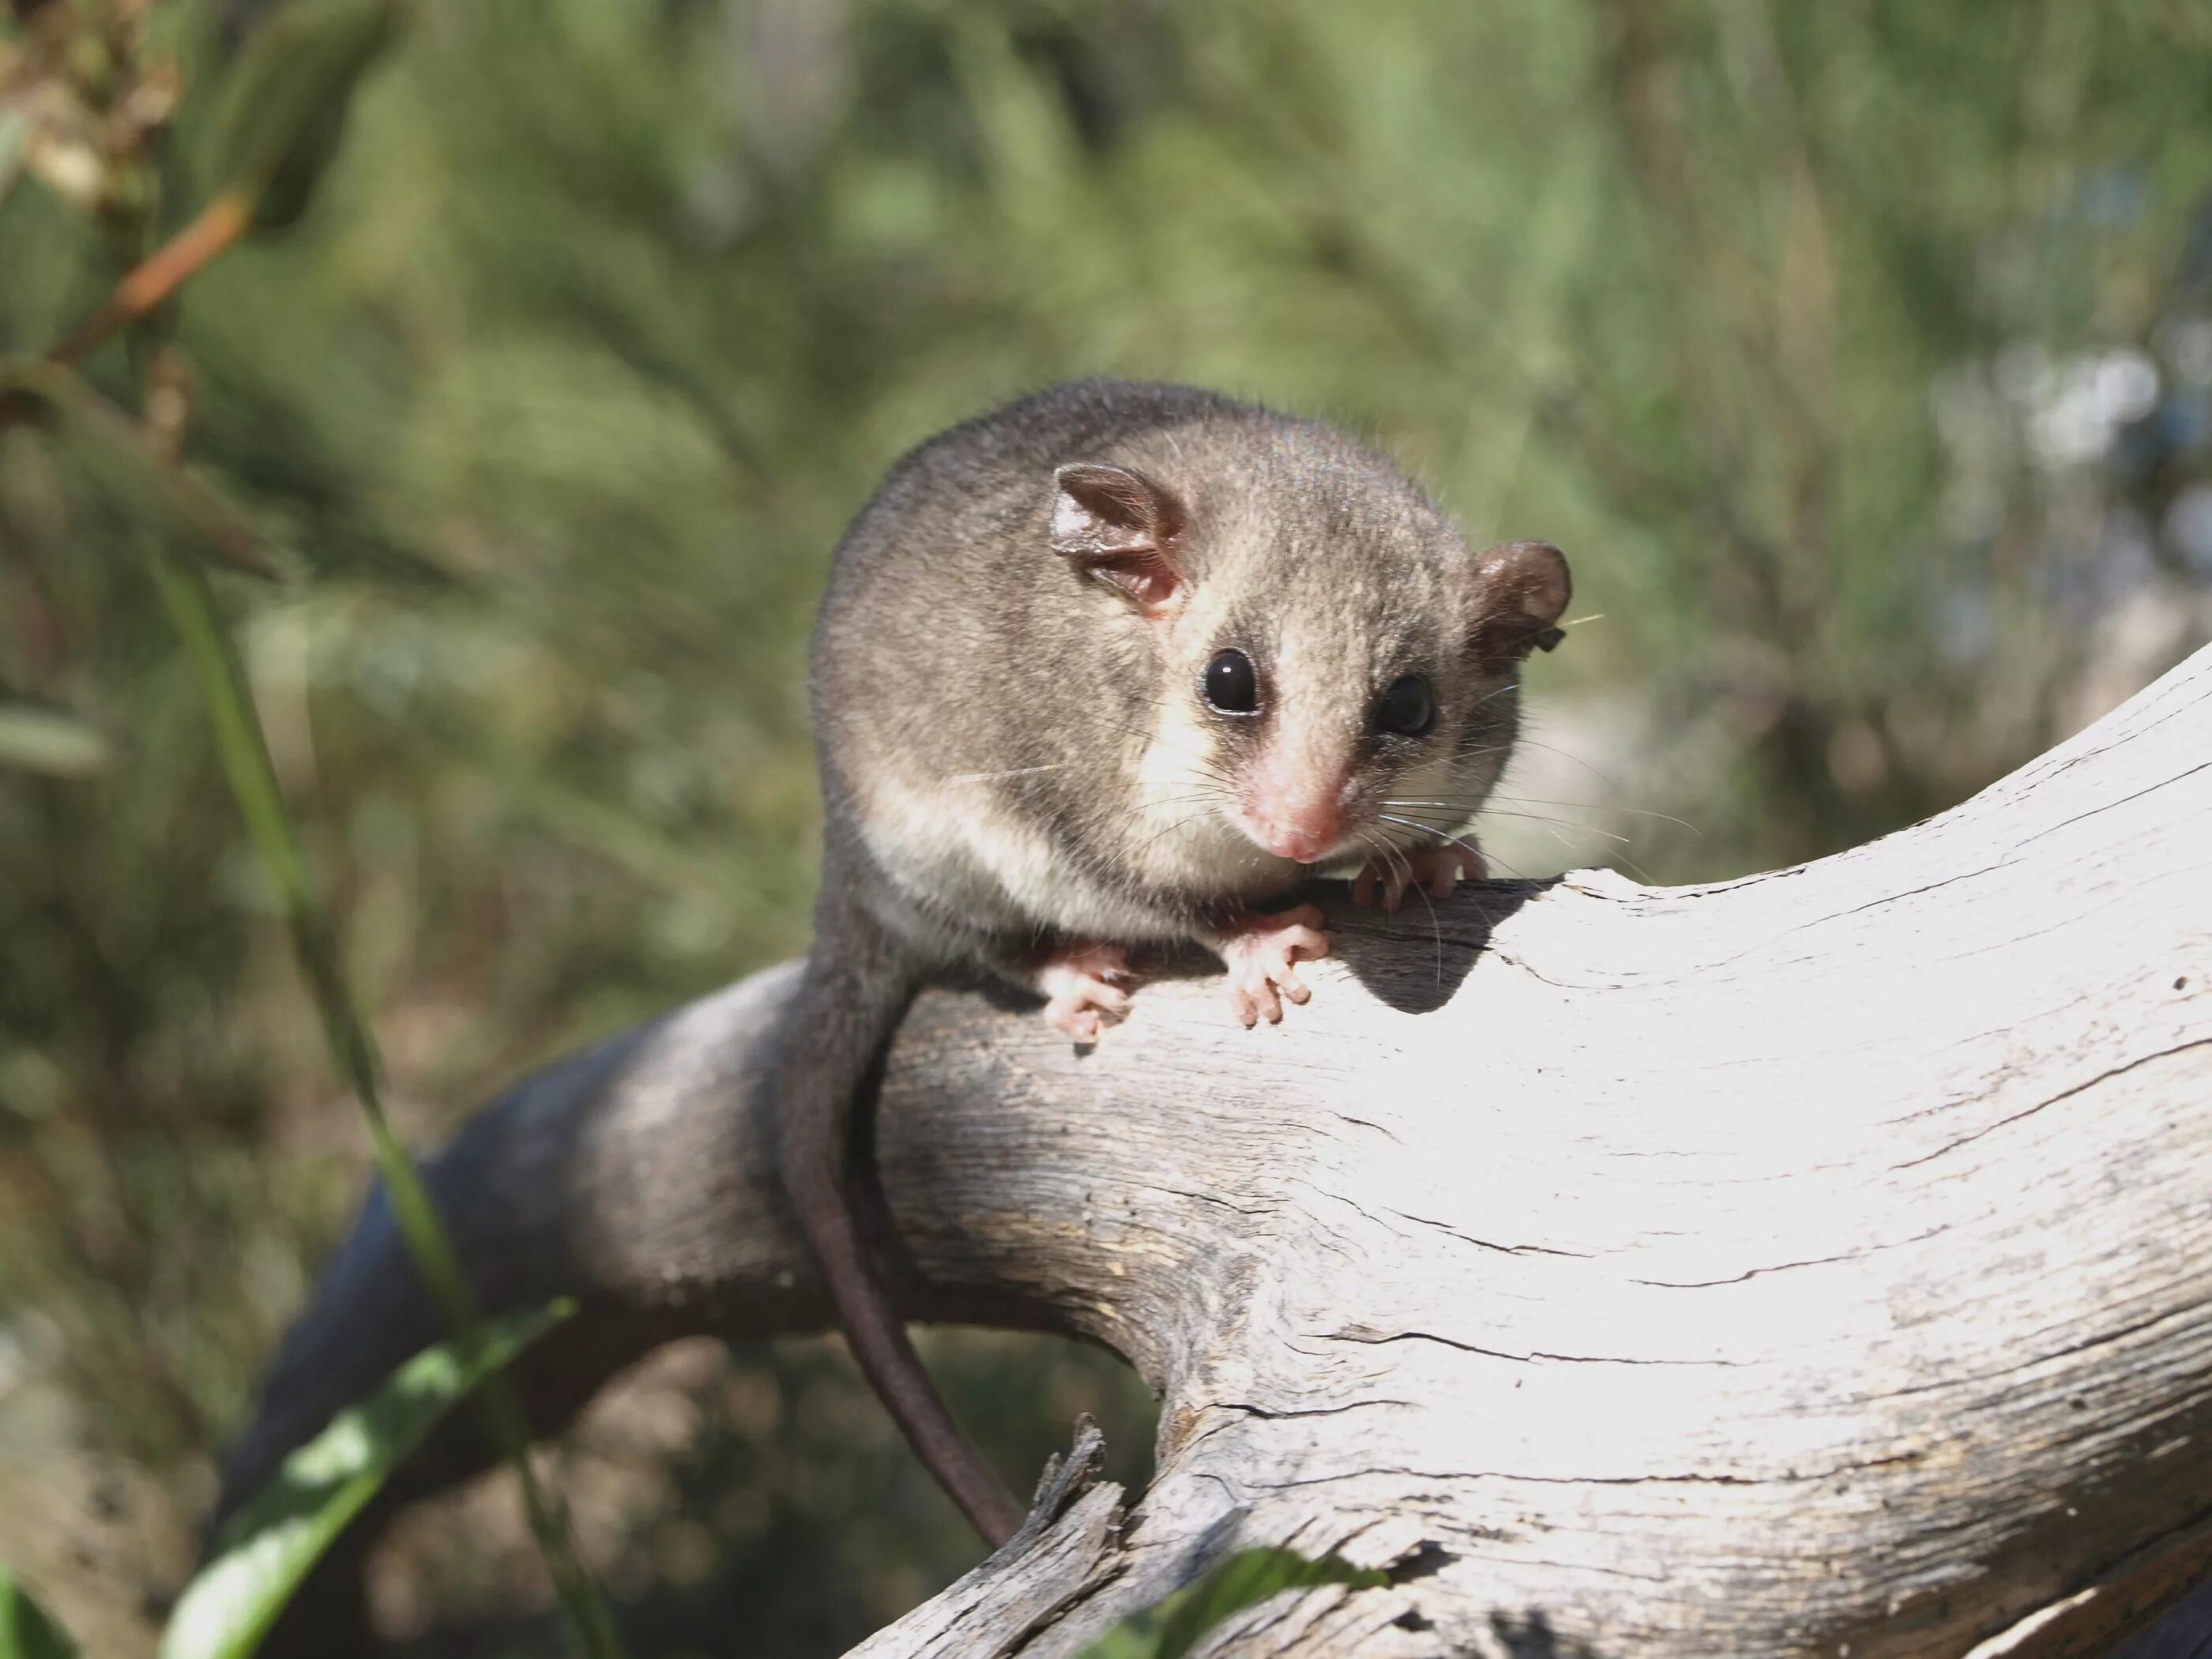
pixel 1301 829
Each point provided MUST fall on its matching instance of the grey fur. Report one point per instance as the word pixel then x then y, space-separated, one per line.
pixel 954 646
pixel 1016 756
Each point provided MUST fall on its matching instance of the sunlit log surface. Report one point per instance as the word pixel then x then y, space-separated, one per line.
pixel 1819 1262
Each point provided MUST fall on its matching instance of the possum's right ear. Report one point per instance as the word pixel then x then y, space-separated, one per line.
pixel 1121 528
pixel 1521 590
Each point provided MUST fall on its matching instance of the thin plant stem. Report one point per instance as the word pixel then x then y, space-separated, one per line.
pixel 162 273
pixel 144 288
pixel 244 752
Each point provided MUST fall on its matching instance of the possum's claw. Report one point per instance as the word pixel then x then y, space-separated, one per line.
pixel 1435 870
pixel 1086 987
pixel 1261 951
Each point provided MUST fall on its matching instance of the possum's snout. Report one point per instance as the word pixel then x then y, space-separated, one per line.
pixel 1294 804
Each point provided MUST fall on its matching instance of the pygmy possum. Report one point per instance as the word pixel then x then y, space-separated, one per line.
pixel 1119 666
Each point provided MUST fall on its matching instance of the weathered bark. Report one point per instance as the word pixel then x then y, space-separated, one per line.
pixel 1816 1263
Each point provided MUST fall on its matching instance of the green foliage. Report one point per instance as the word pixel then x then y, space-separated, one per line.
pixel 26 1631
pixel 269 1545
pixel 1176 1625
pixel 285 104
pixel 15 129
pixel 1786 321
pixel 244 753
pixel 285 118
pixel 119 457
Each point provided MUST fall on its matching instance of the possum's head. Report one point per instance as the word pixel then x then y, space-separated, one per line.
pixel 1337 671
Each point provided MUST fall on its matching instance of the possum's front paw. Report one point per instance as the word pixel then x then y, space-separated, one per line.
pixel 1085 986
pixel 1434 869
pixel 1262 952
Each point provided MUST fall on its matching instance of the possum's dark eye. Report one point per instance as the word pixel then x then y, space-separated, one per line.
pixel 1408 708
pixel 1231 686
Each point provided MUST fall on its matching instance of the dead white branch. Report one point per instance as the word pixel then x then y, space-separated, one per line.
pixel 1819 1262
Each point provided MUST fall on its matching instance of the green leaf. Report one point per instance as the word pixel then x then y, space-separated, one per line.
pixel 244 751
pixel 49 740
pixel 285 105
pixel 269 1545
pixel 120 455
pixel 1176 1625
pixel 26 1631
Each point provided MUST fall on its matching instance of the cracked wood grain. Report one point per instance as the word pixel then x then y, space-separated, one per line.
pixel 1815 1263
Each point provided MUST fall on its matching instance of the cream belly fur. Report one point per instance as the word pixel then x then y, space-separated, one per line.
pixel 955 850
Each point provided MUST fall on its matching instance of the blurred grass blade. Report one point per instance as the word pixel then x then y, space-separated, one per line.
pixel 270 1544
pixel 1175 1627
pixel 15 135
pixel 26 1631
pixel 244 751
pixel 119 453
pixel 49 740
pixel 284 107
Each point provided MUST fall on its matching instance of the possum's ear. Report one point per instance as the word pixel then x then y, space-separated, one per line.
pixel 1121 528
pixel 1521 590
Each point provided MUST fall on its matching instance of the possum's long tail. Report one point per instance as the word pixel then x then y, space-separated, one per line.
pixel 857 985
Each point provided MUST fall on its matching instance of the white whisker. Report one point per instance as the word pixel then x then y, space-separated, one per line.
pixel 1012 772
